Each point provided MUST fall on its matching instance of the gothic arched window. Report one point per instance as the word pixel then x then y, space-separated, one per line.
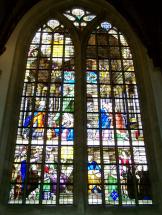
pixel 76 100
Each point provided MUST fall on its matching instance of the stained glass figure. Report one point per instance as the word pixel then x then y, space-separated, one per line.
pixel 42 171
pixel 117 164
pixel 79 17
pixel 117 169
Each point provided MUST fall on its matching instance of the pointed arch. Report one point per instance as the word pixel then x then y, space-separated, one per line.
pixel 22 35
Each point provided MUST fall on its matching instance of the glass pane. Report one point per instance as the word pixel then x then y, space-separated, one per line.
pixel 45 134
pixel 117 163
pixel 79 17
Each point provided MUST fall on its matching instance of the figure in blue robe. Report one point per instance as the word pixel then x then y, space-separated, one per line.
pixel 105 119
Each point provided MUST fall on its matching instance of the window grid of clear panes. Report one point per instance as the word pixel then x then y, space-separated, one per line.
pixel 117 165
pixel 42 171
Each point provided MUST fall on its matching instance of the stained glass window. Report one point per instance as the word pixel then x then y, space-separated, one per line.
pixel 42 171
pixel 79 17
pixel 117 165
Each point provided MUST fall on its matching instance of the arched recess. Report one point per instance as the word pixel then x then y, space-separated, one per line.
pixel 21 43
